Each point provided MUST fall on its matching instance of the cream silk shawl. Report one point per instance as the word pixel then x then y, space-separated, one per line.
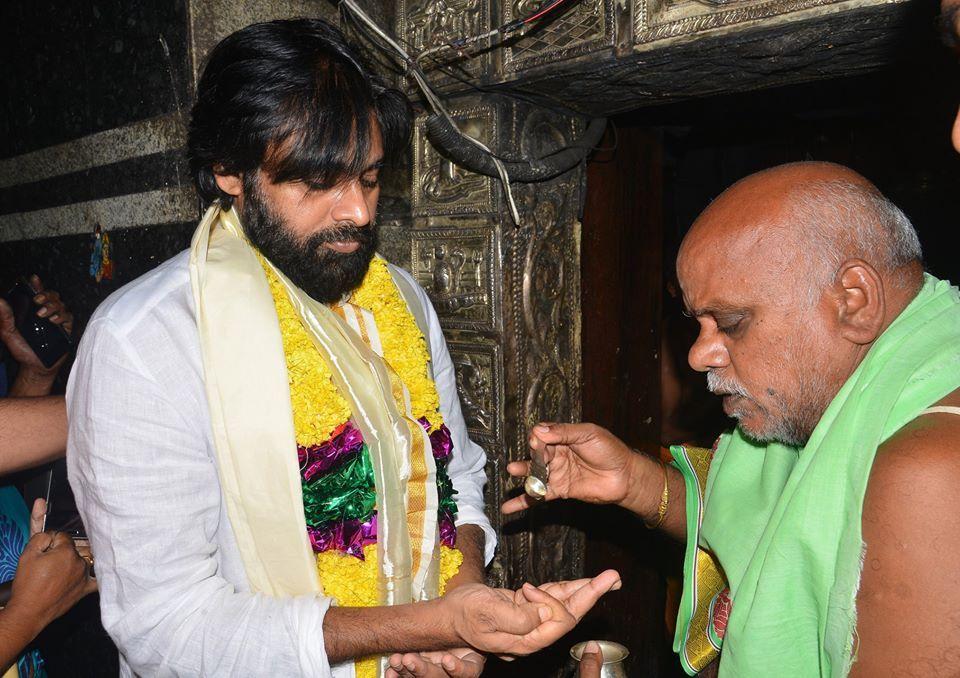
pixel 249 399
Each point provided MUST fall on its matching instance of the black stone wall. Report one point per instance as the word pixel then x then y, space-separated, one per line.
pixel 73 69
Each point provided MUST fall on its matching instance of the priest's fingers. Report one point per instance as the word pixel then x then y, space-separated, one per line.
pixel 518 469
pixel 591 661
pixel 519 503
pixel 549 433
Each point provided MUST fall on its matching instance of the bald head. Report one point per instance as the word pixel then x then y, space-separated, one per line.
pixel 809 218
pixel 792 274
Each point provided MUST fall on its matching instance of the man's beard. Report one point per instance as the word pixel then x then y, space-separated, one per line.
pixel 323 274
pixel 790 424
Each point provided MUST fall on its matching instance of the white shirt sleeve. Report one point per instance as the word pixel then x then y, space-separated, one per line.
pixel 467 465
pixel 149 494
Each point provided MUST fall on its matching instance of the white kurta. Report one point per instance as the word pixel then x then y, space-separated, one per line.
pixel 142 465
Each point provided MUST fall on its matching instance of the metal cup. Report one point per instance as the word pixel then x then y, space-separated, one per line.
pixel 614 658
pixel 536 483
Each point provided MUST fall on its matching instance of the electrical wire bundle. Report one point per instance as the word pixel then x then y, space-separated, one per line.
pixel 474 154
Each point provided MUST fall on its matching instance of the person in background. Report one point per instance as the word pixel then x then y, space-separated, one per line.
pixel 49 575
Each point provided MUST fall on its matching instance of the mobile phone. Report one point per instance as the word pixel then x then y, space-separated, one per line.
pixel 48 340
pixel 61 515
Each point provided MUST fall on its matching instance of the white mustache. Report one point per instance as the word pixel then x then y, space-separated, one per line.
pixel 721 385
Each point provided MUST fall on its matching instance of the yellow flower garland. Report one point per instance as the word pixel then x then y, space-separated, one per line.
pixel 318 409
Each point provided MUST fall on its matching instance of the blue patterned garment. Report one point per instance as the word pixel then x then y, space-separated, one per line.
pixel 14 532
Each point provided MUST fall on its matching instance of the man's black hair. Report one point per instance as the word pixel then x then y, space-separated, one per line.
pixel 294 99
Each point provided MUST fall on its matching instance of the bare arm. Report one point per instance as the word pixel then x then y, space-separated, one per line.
pixel 359 631
pixel 491 620
pixel 591 464
pixel 16 632
pixel 909 594
pixel 33 431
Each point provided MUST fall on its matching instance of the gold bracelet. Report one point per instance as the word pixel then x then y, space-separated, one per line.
pixel 664 502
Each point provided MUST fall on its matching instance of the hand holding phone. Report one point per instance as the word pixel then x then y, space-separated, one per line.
pixel 34 324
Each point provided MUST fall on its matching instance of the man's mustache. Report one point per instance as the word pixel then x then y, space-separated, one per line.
pixel 344 232
pixel 721 385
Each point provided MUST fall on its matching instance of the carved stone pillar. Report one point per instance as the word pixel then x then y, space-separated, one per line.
pixel 508 298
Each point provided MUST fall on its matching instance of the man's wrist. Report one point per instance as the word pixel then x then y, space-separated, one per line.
pixel 21 621
pixel 644 486
pixel 351 632
pixel 436 624
pixel 445 610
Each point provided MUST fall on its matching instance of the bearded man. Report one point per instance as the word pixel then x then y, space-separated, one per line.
pixel 822 534
pixel 265 440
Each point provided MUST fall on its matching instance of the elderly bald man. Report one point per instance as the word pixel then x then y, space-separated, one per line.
pixel 823 533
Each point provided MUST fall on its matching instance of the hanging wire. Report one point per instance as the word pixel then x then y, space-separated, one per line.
pixel 414 70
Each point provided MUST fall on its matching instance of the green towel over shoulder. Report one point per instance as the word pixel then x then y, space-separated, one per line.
pixel 785 524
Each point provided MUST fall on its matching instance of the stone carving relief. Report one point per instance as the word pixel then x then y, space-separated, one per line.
pixel 581 28
pixel 440 186
pixel 432 22
pixel 479 371
pixel 542 317
pixel 458 268
pixel 657 20
pixel 547 308
pixel 429 23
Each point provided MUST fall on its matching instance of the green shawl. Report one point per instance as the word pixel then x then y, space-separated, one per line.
pixel 785 524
